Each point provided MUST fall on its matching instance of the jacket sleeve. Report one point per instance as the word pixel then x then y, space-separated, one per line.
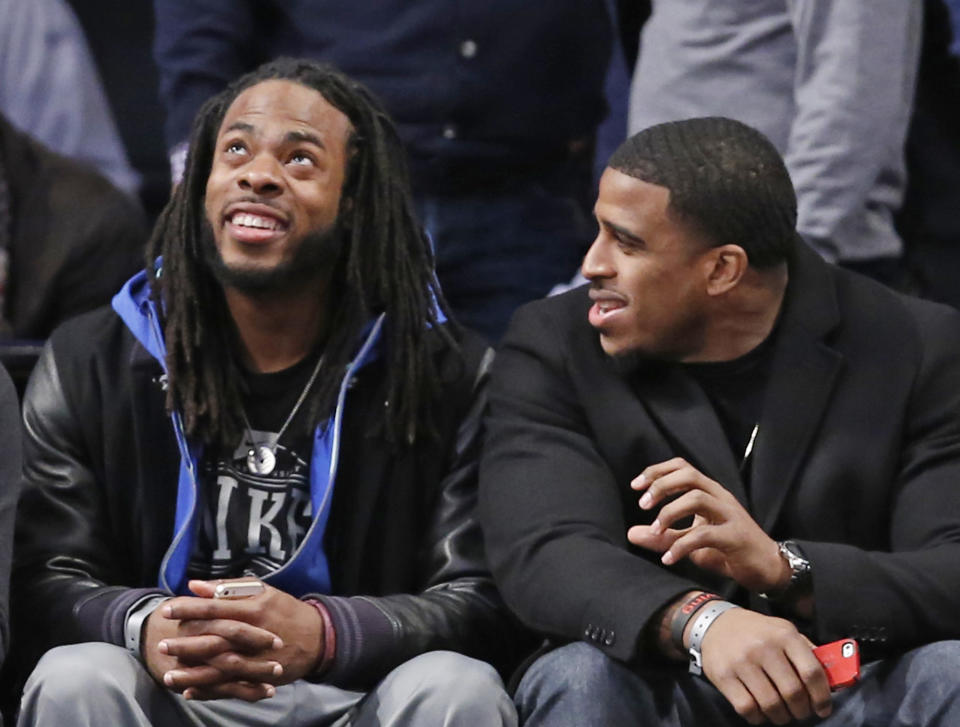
pixel 550 506
pixel 908 594
pixel 460 608
pixel 65 554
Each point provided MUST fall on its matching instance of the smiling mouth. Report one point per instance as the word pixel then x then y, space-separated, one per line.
pixel 253 228
pixel 608 306
pixel 257 222
pixel 603 309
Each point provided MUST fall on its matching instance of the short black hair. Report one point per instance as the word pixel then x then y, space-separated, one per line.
pixel 386 267
pixel 726 180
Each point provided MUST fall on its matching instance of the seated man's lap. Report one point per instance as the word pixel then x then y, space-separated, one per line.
pixel 579 684
pixel 99 683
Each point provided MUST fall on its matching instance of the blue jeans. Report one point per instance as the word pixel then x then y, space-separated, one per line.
pixel 507 244
pixel 579 685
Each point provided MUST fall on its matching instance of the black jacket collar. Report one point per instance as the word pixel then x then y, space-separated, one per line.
pixel 804 372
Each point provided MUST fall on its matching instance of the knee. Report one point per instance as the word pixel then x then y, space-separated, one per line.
pixel 577 670
pixel 77 673
pixel 937 663
pixel 463 690
pixel 446 672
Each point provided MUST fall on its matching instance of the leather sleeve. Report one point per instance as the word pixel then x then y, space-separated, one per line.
pixel 460 609
pixel 9 487
pixel 65 555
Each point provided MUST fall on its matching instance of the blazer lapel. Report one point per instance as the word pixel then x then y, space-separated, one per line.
pixel 804 373
pixel 687 420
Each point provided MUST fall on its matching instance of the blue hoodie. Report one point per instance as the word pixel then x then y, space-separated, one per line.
pixel 307 570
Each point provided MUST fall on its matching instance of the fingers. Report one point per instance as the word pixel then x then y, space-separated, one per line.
pixel 185 609
pixel 654 471
pixel 221 669
pixel 765 669
pixel 235 635
pixel 645 537
pixel 766 695
pixel 670 478
pixel 811 673
pixel 791 700
pixel 699 537
pixel 204 589
pixel 246 691
pixel 202 640
pixel 740 699
pixel 692 502
pixel 789 686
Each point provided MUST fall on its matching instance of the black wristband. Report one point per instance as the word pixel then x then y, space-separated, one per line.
pixel 686 612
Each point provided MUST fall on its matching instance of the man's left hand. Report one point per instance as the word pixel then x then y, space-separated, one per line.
pixel 723 538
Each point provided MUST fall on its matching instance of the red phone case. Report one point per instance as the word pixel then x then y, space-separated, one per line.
pixel 841 661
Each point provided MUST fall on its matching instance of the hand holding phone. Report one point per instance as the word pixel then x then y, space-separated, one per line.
pixel 238 589
pixel 841 661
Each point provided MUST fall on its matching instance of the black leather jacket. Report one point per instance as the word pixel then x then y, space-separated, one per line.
pixel 97 512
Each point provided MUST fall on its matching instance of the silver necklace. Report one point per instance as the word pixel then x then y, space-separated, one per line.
pixel 262 458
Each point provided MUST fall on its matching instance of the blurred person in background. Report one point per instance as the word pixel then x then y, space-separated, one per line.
pixel 829 82
pixel 51 89
pixel 497 104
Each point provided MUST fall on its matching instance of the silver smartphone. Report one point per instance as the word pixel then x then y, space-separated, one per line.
pixel 238 589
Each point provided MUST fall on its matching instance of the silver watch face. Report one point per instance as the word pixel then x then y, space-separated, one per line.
pixel 795 559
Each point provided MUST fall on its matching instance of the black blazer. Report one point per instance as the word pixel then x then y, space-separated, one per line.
pixel 857 458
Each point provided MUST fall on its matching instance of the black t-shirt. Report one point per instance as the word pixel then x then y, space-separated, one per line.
pixel 737 389
pixel 252 522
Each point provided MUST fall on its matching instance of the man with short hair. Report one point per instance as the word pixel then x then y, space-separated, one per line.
pixel 277 412
pixel 723 451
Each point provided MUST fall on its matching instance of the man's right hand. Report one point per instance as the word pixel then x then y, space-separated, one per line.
pixel 765 668
pixel 219 655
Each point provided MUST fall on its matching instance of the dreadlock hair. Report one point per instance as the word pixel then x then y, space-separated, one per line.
pixel 386 266
pixel 726 180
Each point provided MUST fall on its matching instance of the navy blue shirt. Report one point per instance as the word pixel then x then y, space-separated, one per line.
pixel 497 81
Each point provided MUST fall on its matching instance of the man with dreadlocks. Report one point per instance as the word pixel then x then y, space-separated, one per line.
pixel 721 452
pixel 277 408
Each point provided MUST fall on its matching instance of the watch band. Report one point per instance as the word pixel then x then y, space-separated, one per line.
pixel 705 620
pixel 137 618
pixel 801 572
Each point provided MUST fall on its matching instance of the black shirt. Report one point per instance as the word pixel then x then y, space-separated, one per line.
pixel 737 389
pixel 253 520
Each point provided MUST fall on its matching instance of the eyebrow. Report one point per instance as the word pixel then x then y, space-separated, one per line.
pixel 290 137
pixel 623 232
pixel 240 126
pixel 304 136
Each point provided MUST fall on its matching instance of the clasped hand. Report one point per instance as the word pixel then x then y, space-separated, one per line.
pixel 209 648
pixel 723 538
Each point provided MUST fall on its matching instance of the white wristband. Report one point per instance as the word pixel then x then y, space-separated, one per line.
pixel 708 614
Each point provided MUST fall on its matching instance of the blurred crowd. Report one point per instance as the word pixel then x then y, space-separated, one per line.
pixel 506 112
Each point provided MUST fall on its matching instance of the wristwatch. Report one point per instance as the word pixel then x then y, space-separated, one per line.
pixel 801 572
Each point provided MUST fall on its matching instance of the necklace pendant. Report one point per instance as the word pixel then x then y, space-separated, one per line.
pixel 261 460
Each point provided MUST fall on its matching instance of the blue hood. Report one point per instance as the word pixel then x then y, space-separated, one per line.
pixel 307 570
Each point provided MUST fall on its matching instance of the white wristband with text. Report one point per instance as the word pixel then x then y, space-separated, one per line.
pixel 708 614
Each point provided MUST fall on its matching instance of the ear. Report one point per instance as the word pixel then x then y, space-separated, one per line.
pixel 727 264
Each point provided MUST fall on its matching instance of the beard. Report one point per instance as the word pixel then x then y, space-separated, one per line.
pixel 315 257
